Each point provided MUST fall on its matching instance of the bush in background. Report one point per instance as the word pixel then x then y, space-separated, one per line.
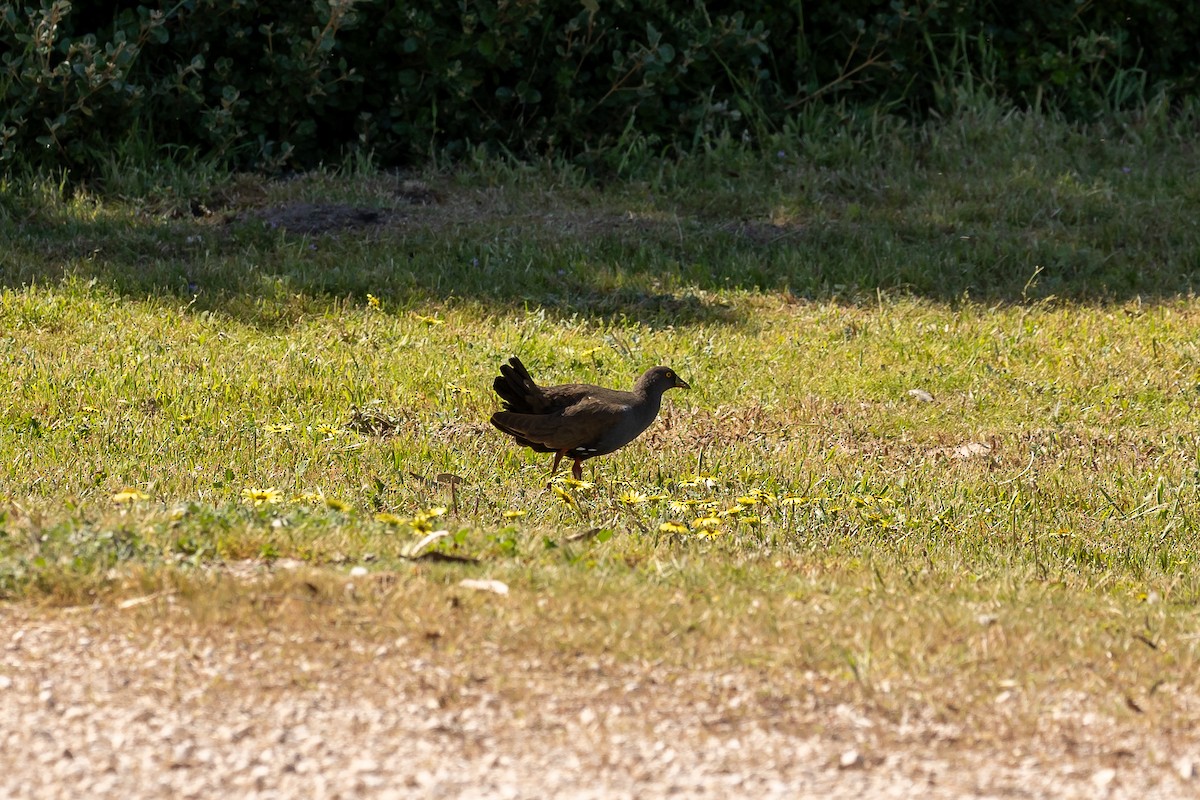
pixel 270 85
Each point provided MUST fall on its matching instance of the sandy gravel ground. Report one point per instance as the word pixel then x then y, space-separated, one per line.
pixel 104 703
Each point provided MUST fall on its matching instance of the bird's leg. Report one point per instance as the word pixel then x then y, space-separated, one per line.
pixel 557 458
pixel 577 469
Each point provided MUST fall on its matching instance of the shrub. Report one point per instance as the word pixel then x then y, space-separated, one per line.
pixel 273 85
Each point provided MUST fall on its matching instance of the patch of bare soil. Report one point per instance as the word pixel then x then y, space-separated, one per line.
pixel 318 219
pixel 763 233
pixel 150 702
pixel 690 429
pixel 321 218
pixel 410 202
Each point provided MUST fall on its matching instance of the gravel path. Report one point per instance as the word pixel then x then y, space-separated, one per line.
pixel 102 703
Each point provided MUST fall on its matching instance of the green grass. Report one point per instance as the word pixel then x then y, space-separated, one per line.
pixel 1036 279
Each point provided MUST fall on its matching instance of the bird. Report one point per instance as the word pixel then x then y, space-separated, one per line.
pixel 577 420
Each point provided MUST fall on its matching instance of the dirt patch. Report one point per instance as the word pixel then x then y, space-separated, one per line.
pixel 317 219
pixel 154 702
pixel 418 193
pixel 417 203
pixel 376 421
pixel 762 233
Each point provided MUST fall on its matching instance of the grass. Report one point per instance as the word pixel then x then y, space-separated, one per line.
pixel 188 395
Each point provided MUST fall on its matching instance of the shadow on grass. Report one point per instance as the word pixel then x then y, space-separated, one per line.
pixel 267 265
pixel 255 267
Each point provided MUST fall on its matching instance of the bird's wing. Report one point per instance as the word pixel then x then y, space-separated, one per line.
pixel 581 424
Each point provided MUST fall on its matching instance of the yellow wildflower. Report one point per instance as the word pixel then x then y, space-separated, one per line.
pixel 707 481
pixel 565 496
pixel 421 520
pixel 671 526
pixel 126 496
pixel 261 496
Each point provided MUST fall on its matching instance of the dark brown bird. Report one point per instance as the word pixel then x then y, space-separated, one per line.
pixel 577 420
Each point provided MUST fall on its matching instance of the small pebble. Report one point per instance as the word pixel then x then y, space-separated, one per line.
pixel 1102 779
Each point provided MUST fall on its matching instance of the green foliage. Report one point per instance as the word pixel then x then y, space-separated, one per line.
pixel 560 76
pixel 261 85
pixel 63 94
pixel 273 86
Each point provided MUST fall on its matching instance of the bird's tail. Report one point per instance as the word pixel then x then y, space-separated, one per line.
pixel 516 387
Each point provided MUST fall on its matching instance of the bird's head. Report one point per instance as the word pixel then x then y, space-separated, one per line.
pixel 662 378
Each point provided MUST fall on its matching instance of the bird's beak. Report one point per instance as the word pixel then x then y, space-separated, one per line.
pixel 680 383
